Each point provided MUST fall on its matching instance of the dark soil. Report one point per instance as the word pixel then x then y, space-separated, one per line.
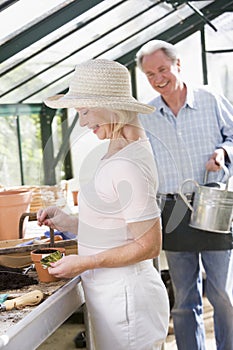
pixel 45 251
pixel 11 269
pixel 13 278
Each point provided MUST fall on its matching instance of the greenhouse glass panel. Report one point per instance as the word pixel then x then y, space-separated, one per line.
pixel 9 167
pixel 22 13
pixel 132 23
pixel 22 122
pixel 31 149
pixel 219 49
pixel 71 45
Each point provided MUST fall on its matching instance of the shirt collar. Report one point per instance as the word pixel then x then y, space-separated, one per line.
pixel 190 100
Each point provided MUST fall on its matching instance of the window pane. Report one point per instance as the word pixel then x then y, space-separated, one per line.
pixel 219 47
pixel 23 12
pixel 31 149
pixel 9 153
pixel 30 137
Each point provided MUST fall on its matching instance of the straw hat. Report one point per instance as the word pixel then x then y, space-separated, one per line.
pixel 99 83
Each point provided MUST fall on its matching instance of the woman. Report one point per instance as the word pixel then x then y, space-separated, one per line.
pixel 118 228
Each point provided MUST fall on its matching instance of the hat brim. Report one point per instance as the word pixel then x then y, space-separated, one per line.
pixel 120 103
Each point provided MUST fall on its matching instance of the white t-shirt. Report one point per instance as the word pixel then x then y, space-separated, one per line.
pixel 123 190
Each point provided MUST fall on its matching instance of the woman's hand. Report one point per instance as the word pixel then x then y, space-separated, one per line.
pixel 71 265
pixel 56 218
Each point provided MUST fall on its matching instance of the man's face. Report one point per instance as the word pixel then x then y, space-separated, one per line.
pixel 161 72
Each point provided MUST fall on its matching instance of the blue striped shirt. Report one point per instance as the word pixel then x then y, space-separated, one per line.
pixel 183 144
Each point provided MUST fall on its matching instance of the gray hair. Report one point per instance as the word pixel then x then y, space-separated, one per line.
pixel 155 45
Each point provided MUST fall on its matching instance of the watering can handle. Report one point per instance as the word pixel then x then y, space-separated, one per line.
pixel 182 194
pixel 226 175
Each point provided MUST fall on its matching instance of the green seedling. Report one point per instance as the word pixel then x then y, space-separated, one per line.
pixel 47 260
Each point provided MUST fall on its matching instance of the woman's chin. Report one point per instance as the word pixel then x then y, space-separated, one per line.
pixel 101 136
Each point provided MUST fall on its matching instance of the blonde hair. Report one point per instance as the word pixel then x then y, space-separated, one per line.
pixel 120 118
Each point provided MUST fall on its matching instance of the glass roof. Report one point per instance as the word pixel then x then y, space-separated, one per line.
pixel 27 11
pixel 223 38
pixel 49 38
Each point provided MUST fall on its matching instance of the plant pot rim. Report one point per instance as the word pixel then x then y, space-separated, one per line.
pixel 43 274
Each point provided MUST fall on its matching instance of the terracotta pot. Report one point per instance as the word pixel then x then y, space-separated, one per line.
pixel 12 205
pixel 36 256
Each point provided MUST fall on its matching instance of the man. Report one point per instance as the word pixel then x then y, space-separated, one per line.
pixel 191 132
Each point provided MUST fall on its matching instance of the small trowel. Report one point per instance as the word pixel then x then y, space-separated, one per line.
pixel 29 299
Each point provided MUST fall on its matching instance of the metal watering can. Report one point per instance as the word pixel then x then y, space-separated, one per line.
pixel 212 208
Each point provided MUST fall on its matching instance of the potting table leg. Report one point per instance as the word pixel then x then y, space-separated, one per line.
pixel 89 335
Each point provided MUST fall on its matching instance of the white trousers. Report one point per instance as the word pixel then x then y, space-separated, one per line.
pixel 128 307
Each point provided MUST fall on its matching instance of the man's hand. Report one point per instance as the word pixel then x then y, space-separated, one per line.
pixel 217 160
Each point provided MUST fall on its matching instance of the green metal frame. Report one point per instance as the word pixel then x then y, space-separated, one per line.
pixel 46 118
pixel 49 161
